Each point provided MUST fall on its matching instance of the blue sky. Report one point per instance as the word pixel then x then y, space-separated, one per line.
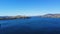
pixel 28 7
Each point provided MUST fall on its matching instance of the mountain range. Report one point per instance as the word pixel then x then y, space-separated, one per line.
pixel 25 17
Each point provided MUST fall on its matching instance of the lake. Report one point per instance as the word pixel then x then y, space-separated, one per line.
pixel 34 25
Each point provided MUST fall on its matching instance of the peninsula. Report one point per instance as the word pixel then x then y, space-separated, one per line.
pixel 13 17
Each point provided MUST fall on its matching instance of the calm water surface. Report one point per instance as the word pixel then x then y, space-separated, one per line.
pixel 33 25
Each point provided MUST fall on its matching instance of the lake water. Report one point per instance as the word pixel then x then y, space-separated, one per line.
pixel 34 25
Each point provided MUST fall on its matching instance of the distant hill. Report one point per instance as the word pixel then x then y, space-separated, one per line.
pixel 51 15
